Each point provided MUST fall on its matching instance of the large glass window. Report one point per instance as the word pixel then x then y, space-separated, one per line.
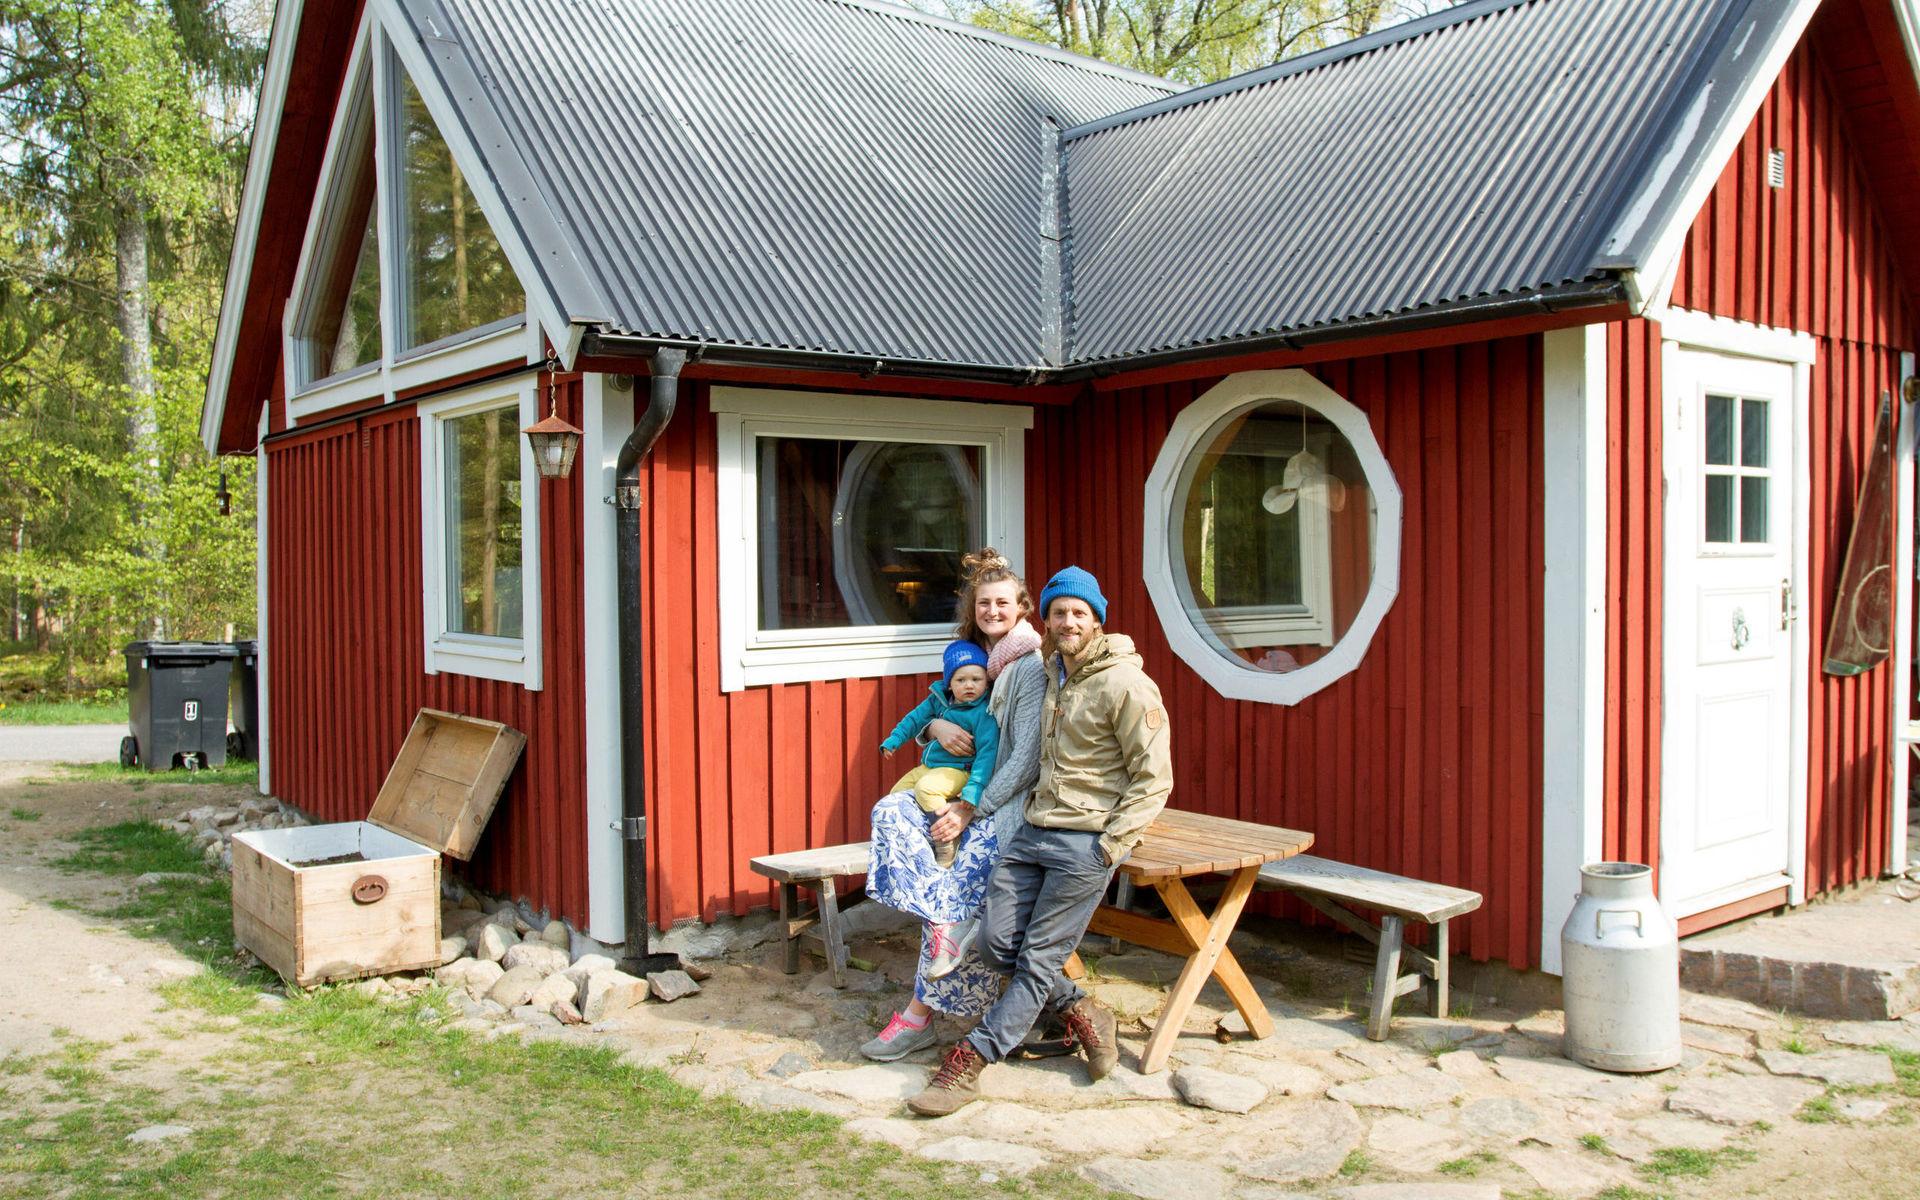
pixel 842 523
pixel 457 277
pixel 482 523
pixel 863 533
pixel 1272 535
pixel 337 326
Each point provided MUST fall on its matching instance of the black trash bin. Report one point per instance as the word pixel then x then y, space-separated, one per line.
pixel 177 704
pixel 243 703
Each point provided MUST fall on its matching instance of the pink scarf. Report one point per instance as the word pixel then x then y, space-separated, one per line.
pixel 1019 642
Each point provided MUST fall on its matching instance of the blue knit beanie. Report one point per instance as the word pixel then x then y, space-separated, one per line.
pixel 961 654
pixel 1081 585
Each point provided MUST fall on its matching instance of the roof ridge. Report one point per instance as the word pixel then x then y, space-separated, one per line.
pixel 1098 66
pixel 1459 14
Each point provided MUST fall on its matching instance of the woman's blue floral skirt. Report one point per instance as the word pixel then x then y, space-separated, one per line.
pixel 905 877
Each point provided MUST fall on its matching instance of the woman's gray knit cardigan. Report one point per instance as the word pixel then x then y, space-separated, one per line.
pixel 1019 696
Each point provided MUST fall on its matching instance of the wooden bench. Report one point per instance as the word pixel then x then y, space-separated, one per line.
pixel 815 870
pixel 1336 889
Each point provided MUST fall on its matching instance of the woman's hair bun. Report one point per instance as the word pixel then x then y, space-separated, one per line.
pixel 985 559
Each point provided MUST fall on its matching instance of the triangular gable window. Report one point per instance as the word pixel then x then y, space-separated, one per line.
pixel 337 326
pixel 458 278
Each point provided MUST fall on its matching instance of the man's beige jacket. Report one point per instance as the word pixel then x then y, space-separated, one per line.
pixel 1104 763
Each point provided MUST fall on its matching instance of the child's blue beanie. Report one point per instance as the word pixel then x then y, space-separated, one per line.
pixel 1078 583
pixel 961 654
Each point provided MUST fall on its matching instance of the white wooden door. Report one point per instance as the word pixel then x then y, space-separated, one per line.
pixel 1729 666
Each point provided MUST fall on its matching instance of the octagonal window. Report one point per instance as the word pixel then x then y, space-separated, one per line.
pixel 1278 535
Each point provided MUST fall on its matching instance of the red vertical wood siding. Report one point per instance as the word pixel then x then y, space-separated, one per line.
pixel 1425 760
pixel 1813 256
pixel 1630 825
pixel 347 656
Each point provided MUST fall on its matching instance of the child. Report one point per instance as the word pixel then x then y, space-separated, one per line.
pixel 960 697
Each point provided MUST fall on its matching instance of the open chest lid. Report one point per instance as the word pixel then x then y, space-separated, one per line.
pixel 446 780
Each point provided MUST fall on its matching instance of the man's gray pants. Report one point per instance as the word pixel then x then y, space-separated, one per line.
pixel 1039 899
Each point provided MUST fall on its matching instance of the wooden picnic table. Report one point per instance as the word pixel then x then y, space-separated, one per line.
pixel 1177 847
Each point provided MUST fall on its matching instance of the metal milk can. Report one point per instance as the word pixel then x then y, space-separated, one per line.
pixel 1620 972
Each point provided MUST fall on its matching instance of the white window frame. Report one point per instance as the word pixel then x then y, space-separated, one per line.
pixel 374 60
pixel 752 657
pixel 1166 580
pixel 513 660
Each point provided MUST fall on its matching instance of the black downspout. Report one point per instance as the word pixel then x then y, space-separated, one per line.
pixel 663 391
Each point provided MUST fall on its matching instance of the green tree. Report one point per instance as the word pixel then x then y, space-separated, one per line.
pixel 122 146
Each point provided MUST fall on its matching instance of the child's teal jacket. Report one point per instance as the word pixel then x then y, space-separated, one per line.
pixel 973 717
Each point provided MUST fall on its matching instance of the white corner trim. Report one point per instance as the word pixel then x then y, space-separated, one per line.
pixel 750 656
pixel 1662 263
pixel 1239 681
pixel 541 305
pixel 246 229
pixel 513 660
pixel 1573 623
pixel 1704 331
pixel 1902 749
pixel 1802 636
pixel 606 420
pixel 263 721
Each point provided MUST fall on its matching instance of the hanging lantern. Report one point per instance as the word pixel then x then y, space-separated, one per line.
pixel 555 443
pixel 223 497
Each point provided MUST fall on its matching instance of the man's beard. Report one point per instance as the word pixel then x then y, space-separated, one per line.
pixel 1051 645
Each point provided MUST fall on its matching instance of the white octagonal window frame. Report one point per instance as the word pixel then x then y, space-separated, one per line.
pixel 1191 433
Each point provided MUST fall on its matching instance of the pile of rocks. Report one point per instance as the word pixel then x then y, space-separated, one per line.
pixel 212 827
pixel 499 965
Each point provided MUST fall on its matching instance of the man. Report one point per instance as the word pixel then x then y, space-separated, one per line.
pixel 1104 776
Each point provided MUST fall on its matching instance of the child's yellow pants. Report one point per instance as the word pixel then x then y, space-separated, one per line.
pixel 933 787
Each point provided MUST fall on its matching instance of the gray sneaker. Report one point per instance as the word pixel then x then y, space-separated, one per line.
pixel 898 1040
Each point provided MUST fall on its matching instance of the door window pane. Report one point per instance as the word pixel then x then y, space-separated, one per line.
pixel 863 533
pixel 1275 534
pixel 483 523
pixel 1753 508
pixel 457 275
pixel 1720 430
pixel 1719 508
pixel 1753 433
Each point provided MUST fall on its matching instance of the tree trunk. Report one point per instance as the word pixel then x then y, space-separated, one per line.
pixel 134 318
pixel 490 522
pixel 460 319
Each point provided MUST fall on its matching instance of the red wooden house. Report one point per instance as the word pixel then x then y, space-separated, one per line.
pixel 1467 421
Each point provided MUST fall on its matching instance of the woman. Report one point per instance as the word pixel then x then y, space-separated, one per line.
pixel 994 607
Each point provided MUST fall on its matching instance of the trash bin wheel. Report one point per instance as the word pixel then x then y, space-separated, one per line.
pixel 129 752
pixel 236 745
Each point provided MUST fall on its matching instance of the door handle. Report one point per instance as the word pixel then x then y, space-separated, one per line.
pixel 1786 603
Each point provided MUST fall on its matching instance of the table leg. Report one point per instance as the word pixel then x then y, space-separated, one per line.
pixel 792 922
pixel 1442 957
pixel 1386 978
pixel 1208 937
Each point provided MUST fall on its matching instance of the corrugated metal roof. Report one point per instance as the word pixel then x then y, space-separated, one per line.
pixel 1485 152
pixel 828 175
pixel 846 177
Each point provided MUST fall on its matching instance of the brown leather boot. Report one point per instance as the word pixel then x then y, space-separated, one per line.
pixel 1093 1027
pixel 954 1086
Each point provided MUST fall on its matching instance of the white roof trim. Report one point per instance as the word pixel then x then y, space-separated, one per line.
pixel 246 228
pixel 1650 283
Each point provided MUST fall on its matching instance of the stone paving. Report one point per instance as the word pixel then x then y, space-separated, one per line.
pixel 1459 1109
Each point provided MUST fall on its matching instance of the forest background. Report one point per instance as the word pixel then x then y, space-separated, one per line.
pixel 124 128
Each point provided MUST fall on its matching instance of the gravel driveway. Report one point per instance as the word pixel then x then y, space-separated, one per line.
pixel 61 743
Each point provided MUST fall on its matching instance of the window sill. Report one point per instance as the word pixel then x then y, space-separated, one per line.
pixel 760 666
pixel 503 661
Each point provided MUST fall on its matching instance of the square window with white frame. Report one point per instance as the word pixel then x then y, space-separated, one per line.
pixel 479 517
pixel 842 522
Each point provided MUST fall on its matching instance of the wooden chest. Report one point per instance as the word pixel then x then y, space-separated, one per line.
pixel 358 898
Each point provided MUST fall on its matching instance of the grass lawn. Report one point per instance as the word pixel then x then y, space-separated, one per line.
pixel 234 770
pixel 331 1093
pixel 63 712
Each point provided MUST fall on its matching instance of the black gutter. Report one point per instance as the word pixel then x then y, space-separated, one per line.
pixel 663 392
pixel 1587 294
